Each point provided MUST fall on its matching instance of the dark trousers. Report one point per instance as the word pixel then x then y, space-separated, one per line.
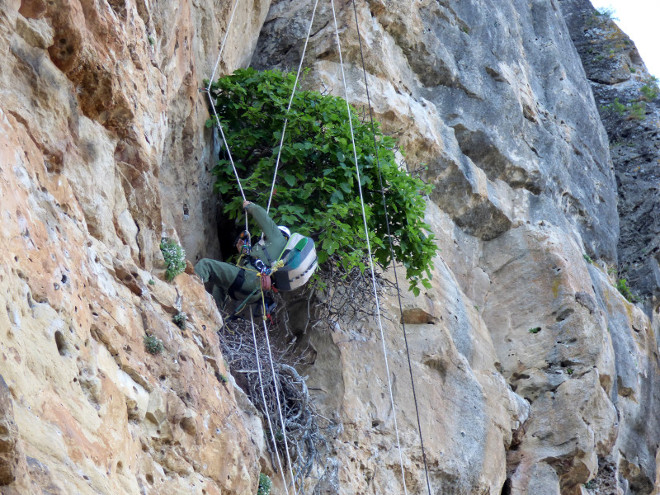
pixel 222 279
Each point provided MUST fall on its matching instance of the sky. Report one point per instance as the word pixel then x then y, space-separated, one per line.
pixel 639 20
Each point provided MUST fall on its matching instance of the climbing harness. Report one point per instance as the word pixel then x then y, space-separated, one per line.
pixel 389 237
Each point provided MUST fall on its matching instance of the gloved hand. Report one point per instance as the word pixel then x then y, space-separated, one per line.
pixel 266 283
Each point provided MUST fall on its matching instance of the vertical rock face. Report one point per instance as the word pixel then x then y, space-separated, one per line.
pixel 10 454
pixel 491 104
pixel 533 374
pixel 629 104
pixel 102 151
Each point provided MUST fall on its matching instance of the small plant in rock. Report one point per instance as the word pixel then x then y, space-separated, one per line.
pixel 637 110
pixel 264 485
pixel 221 378
pixel 535 330
pixel 175 258
pixel 606 13
pixel 622 286
pixel 587 258
pixel 617 107
pixel 152 344
pixel 180 319
pixel 569 371
pixel 152 282
pixel 649 92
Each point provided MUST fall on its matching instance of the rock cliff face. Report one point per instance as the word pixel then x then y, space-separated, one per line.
pixel 533 373
pixel 103 150
pixel 627 97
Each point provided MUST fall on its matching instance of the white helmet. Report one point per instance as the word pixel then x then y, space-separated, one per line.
pixel 284 230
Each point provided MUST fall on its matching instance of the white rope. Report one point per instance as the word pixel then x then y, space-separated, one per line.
pixel 286 120
pixel 371 263
pixel 222 45
pixel 263 397
pixel 224 140
pixel 279 408
pixel 215 113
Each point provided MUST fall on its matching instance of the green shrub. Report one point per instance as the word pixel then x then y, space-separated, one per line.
pixel 622 286
pixel 617 107
pixel 606 13
pixel 175 258
pixel 264 485
pixel 649 92
pixel 180 320
pixel 317 191
pixel 634 111
pixel 587 258
pixel 535 330
pixel 637 110
pixel 152 344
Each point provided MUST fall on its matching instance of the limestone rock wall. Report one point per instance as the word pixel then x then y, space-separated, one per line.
pixel 533 373
pixel 525 362
pixel 629 104
pixel 102 151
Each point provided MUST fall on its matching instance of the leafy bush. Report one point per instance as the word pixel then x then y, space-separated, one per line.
pixel 606 13
pixel 616 106
pixel 317 191
pixel 180 319
pixel 622 286
pixel 175 258
pixel 153 344
pixel 631 111
pixel 637 110
pixel 264 484
pixel 649 91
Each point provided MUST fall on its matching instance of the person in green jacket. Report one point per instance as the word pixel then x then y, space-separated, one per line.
pixel 243 282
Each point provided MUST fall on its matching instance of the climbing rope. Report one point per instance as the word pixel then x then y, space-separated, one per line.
pixel 238 180
pixel 279 406
pixel 215 113
pixel 371 263
pixel 222 134
pixel 286 120
pixel 263 398
pixel 389 237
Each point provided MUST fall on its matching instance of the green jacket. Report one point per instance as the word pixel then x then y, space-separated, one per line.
pixel 221 278
pixel 271 246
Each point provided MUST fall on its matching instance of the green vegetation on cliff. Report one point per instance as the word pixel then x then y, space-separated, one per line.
pixel 316 191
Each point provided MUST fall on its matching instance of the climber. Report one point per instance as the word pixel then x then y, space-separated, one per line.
pixel 243 282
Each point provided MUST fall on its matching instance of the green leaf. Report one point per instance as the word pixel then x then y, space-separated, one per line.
pixel 336 196
pixel 223 187
pixel 290 179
